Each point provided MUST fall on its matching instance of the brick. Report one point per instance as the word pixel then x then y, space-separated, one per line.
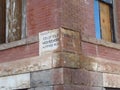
pixel 47 77
pixel 75 15
pixel 96 79
pixel 70 41
pixel 41 78
pixel 118 19
pixel 37 21
pixel 76 87
pixel 58 87
pixel 99 64
pixel 46 61
pixel 65 59
pixel 57 76
pixel 80 77
pixel 88 63
pixel 68 87
pixel 63 87
pixel 51 77
pixel 15 81
pixel 105 52
pixel 89 49
pixel 108 66
pixel 44 88
pixel 67 76
pixel 17 67
pixel 111 80
pixel 83 77
pixel 22 52
pixel 87 88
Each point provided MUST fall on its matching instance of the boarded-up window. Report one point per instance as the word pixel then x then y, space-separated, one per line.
pixel 106 21
pixel 14 19
pixel 106 30
pixel 105 18
pixel 11 19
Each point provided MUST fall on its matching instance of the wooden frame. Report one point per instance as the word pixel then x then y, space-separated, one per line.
pixel 13 20
pixel 15 31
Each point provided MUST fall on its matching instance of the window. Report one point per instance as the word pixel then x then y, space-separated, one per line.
pixel 104 21
pixel 12 20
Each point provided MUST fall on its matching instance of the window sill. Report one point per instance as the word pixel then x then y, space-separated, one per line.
pixel 100 42
pixel 26 41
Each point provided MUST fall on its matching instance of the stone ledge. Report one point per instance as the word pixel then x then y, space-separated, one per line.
pixel 47 61
pixel 22 42
pixel 100 42
pixel 57 60
pixel 99 65
pixel 111 80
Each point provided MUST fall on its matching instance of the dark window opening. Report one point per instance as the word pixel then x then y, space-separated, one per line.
pixel 20 89
pixel 2 20
pixel 112 89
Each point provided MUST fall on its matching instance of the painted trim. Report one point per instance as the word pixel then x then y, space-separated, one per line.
pixel 24 20
pixel 108 1
pixel 97 19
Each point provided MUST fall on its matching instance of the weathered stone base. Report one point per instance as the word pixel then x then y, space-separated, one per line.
pixel 60 79
pixel 60 71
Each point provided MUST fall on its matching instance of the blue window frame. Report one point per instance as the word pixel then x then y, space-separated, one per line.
pixel 97 19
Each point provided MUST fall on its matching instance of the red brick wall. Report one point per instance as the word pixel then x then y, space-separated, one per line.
pixel 49 14
pixel 19 52
pixel 89 49
pixel 41 15
pixel 78 15
pixel 117 2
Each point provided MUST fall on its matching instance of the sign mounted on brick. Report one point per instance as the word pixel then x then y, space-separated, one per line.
pixel 48 41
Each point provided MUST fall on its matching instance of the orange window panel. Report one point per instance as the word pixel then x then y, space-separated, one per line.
pixel 105 22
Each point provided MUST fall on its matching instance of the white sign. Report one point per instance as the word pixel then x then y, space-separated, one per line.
pixel 48 41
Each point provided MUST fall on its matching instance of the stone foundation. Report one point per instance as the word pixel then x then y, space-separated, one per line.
pixel 64 71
